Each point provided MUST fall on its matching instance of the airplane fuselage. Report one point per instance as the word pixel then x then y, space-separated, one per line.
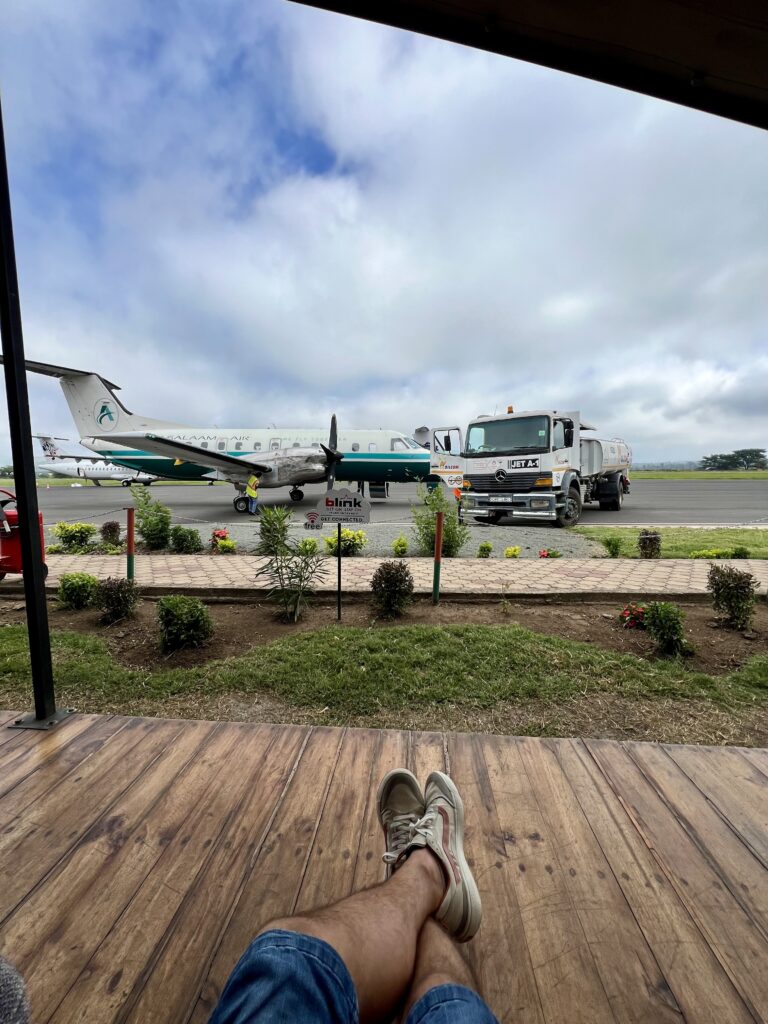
pixel 374 456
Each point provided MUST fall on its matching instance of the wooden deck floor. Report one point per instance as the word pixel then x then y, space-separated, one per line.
pixel 621 882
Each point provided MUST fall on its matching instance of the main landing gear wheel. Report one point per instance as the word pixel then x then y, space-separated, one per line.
pixel 240 503
pixel 125 483
pixel 297 494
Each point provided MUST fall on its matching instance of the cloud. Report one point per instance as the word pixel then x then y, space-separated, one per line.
pixel 265 213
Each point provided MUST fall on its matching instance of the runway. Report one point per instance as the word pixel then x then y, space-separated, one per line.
pixel 651 503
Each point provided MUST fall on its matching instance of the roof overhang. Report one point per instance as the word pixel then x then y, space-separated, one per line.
pixel 711 55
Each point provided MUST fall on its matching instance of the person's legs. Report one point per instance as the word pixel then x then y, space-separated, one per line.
pixel 375 932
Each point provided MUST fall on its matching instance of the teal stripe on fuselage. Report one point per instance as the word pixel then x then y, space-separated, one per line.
pixel 375 467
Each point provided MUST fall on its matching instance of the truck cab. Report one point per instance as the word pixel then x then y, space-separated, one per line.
pixel 532 465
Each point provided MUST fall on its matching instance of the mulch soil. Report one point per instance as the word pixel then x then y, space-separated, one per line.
pixel 241 627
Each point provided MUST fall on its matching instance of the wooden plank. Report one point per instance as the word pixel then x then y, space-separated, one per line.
pixel 735 865
pixel 758 756
pixel 392 752
pixel 734 786
pixel 7 716
pixel 50 937
pixel 690 872
pixel 499 955
pixel 59 750
pixel 630 976
pixel 169 986
pixel 695 977
pixel 426 755
pixel 276 875
pixel 215 824
pixel 567 978
pixel 32 843
pixel 331 868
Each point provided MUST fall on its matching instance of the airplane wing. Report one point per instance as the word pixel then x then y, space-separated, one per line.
pixel 184 452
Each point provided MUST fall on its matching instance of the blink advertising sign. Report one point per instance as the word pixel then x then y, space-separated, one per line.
pixel 339 507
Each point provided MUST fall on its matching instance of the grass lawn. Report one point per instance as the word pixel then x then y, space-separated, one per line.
pixel 402 675
pixel 680 541
pixel 699 474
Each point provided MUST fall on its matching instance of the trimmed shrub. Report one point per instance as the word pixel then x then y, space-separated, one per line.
pixel 292 576
pixel 613 546
pixel 710 553
pixel 75 537
pixel 226 547
pixel 54 549
pixel 117 598
pixel 352 542
pixel 184 622
pixel 77 590
pixel 485 549
pixel 733 593
pixel 273 530
pixel 550 553
pixel 513 552
pixel 110 532
pixel 185 540
pixel 649 544
pixel 741 552
pixel 153 519
pixel 455 534
pixel 400 546
pixel 664 621
pixel 392 586
pixel 308 546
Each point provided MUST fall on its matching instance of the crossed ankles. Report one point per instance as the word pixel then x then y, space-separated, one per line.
pixel 432 821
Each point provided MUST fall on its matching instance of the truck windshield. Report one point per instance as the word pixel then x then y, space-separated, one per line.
pixel 507 437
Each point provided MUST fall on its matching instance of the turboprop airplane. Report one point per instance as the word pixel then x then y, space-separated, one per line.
pixel 280 456
pixel 86 467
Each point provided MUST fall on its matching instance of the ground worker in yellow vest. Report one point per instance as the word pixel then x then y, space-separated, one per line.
pixel 252 493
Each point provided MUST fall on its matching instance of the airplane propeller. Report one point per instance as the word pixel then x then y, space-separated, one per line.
pixel 333 455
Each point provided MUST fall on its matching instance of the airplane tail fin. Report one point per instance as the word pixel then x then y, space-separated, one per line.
pixel 50 449
pixel 95 407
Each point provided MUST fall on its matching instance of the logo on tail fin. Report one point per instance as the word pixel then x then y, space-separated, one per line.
pixel 105 414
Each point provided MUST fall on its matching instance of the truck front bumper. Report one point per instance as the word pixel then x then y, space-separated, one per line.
pixel 536 505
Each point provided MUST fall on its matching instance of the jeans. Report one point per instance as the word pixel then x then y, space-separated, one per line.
pixel 284 977
pixel 253 505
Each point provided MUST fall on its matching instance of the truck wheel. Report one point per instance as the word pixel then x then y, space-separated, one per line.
pixel 572 511
pixel 614 504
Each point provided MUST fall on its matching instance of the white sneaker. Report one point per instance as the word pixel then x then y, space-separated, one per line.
pixel 401 806
pixel 442 831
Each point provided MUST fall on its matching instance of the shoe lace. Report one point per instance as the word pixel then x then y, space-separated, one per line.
pixel 402 830
pixel 400 834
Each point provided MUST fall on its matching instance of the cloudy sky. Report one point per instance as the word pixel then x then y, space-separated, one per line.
pixel 255 213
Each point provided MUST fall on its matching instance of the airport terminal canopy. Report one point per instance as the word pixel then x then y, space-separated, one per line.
pixel 708 54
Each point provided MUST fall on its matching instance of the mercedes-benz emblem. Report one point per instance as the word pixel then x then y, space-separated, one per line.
pixel 501 475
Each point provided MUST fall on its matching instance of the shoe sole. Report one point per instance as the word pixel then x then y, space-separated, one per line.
pixel 472 893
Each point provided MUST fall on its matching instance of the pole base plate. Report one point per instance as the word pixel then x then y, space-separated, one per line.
pixel 42 724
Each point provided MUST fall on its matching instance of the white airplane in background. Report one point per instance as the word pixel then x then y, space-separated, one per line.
pixel 280 456
pixel 85 467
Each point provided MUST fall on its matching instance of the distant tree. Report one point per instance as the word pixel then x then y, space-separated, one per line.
pixel 6 470
pixel 751 458
pixel 719 462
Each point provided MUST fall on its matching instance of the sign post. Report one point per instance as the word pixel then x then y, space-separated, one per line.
pixel 339 507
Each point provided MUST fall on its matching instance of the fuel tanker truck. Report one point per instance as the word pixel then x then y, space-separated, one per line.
pixel 530 465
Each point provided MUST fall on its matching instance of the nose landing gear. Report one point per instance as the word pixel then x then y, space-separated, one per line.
pixel 240 503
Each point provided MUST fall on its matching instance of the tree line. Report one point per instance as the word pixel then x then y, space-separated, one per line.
pixel 742 458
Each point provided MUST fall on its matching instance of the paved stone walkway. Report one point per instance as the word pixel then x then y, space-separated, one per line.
pixel 235 574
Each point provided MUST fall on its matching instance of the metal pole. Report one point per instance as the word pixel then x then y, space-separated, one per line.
pixel 438 556
pixel 338 571
pixel 24 466
pixel 130 539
